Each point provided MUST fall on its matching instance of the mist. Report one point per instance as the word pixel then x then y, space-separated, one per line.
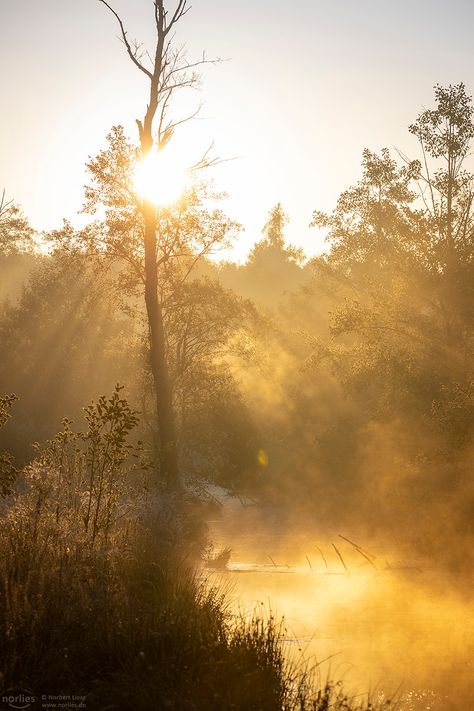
pixel 255 477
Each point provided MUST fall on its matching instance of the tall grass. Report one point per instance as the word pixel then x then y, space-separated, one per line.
pixel 98 597
pixel 133 632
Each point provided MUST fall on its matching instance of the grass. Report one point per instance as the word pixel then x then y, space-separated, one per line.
pixel 131 628
pixel 99 598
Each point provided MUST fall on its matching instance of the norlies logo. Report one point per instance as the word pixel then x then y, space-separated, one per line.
pixel 17 699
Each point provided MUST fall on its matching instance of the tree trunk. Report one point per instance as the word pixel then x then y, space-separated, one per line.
pixel 159 366
pixel 162 85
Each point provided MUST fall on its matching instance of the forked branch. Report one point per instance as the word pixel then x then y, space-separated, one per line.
pixel 180 12
pixel 132 53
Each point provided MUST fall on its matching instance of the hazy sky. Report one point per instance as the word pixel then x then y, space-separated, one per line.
pixel 307 86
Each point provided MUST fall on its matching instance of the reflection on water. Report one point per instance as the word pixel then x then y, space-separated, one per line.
pixel 375 622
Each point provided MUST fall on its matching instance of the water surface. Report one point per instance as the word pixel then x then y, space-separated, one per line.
pixel 364 615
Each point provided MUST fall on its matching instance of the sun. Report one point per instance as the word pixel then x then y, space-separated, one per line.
pixel 160 177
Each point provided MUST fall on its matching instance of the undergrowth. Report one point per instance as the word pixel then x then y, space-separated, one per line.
pixel 99 597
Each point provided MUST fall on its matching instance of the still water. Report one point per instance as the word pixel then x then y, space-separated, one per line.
pixel 362 614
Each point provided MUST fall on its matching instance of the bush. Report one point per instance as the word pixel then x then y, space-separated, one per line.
pixel 97 600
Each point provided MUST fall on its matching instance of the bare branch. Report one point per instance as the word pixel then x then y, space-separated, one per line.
pixel 4 204
pixel 464 219
pixel 181 10
pixel 192 81
pixel 206 162
pixel 199 63
pixel 426 179
pixel 165 132
pixel 204 251
pixel 131 53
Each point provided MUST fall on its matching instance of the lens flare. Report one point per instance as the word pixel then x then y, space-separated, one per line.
pixel 262 458
pixel 160 178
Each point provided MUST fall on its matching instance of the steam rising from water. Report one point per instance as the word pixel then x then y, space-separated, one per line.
pixel 391 626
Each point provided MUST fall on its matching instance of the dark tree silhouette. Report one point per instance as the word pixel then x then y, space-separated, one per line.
pixel 169 71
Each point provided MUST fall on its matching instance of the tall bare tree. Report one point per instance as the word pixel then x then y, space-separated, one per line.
pixel 167 70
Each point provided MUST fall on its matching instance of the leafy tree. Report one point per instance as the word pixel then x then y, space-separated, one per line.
pixel 274 230
pixel 17 253
pixel 274 240
pixel 374 221
pixel 445 134
pixel 273 268
pixel 72 342
pixel 206 326
pixel 7 471
pixel 16 235
pixel 185 233
pixel 168 72
pixel 402 259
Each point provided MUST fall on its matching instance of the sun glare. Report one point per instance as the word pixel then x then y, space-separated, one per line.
pixel 160 178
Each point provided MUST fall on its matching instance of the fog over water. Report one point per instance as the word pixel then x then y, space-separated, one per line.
pixel 383 623
pixel 237 405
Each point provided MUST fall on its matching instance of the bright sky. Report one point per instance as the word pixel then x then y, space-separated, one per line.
pixel 309 84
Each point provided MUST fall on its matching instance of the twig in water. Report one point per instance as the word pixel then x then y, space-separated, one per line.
pixel 360 550
pixel 269 556
pixel 309 562
pixel 242 499
pixel 322 556
pixel 340 557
